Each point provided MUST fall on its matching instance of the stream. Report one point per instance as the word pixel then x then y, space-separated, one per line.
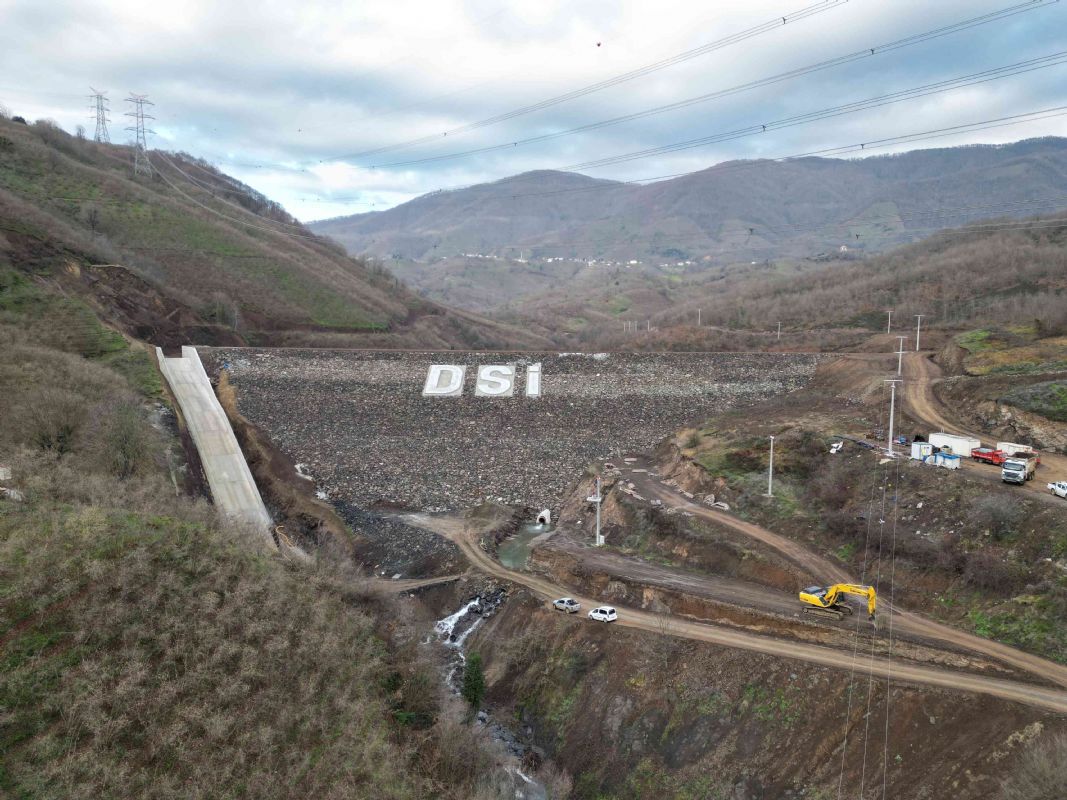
pixel 452 631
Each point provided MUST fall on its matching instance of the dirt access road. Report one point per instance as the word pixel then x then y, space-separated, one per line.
pixel 465 537
pixel 920 376
pixel 824 571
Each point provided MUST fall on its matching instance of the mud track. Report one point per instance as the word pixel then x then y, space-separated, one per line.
pixel 921 374
pixel 463 534
pixel 823 570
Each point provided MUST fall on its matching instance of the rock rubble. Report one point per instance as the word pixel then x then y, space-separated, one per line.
pixel 359 422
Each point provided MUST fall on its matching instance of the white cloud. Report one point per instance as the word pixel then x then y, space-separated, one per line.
pixel 275 92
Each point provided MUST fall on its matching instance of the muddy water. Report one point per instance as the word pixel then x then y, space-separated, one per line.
pixel 513 553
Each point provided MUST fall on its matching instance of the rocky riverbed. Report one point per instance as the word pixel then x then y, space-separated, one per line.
pixel 361 424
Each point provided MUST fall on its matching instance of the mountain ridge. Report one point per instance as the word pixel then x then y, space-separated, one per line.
pixel 735 210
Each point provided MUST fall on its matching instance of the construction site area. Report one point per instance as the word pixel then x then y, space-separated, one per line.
pixel 732 643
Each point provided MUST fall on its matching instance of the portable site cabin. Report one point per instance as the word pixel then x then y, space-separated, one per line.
pixel 920 451
pixel 956 445
pixel 947 460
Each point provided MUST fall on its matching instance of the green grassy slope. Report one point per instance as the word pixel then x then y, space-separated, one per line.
pixel 227 255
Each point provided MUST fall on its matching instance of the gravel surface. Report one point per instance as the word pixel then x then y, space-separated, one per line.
pixel 359 422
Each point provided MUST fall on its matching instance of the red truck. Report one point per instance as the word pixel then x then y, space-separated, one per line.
pixel 989 455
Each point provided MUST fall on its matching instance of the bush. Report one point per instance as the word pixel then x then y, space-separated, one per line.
pixel 989 570
pixel 53 419
pixel 1040 774
pixel 124 445
pixel 996 513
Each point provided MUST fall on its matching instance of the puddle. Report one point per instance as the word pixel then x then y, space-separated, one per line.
pixel 513 553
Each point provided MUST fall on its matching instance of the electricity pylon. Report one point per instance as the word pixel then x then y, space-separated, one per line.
pixel 141 165
pixel 98 105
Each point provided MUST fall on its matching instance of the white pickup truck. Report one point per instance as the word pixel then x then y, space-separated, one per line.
pixel 1059 488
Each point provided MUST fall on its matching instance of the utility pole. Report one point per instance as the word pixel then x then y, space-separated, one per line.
pixel 889 324
pixel 98 105
pixel 597 499
pixel 698 317
pixel 779 331
pixel 918 327
pixel 900 353
pixel 770 472
pixel 141 165
pixel 892 407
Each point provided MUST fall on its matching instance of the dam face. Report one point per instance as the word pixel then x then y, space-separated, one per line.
pixel 441 430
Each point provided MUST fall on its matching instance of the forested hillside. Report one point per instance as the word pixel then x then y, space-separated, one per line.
pixel 732 212
pixel 997 273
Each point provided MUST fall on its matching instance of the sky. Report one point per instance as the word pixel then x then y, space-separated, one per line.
pixel 316 104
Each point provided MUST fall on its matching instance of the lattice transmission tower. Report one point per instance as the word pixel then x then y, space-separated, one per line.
pixel 98 105
pixel 141 165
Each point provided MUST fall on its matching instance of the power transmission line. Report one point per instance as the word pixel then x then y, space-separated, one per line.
pixel 868 52
pixel 974 79
pixel 218 213
pixel 858 147
pixel 141 165
pixel 100 109
pixel 647 69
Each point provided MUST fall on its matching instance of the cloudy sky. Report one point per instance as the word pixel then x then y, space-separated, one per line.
pixel 315 104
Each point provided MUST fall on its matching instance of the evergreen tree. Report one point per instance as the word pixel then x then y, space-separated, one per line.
pixel 474 681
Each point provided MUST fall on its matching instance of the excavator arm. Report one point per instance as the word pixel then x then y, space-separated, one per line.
pixel 827 601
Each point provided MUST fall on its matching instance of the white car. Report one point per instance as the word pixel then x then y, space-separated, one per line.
pixel 1058 488
pixel 603 614
pixel 568 604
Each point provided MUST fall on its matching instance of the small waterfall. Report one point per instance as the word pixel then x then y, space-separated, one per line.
pixel 524 787
pixel 445 627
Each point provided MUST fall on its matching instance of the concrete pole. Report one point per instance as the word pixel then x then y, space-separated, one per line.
pixel 900 353
pixel 698 317
pixel 889 324
pixel 599 539
pixel 770 470
pixel 918 327
pixel 779 331
pixel 892 407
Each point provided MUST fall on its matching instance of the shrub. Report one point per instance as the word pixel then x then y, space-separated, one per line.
pixel 996 513
pixel 989 570
pixel 53 418
pixel 1040 774
pixel 124 446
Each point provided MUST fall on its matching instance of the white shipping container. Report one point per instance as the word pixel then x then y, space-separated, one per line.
pixel 957 445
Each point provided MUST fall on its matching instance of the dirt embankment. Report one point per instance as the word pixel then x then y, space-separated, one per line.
pixel 657 534
pixel 306 519
pixel 979 403
pixel 647 715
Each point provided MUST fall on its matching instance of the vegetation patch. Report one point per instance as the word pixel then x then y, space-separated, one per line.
pixel 1014 350
pixel 1030 622
pixel 1047 399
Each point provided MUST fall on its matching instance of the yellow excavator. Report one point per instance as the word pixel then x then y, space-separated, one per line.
pixel 829 601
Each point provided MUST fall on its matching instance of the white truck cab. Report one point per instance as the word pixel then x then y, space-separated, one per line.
pixel 1018 469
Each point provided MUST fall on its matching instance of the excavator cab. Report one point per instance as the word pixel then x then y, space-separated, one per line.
pixel 828 601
